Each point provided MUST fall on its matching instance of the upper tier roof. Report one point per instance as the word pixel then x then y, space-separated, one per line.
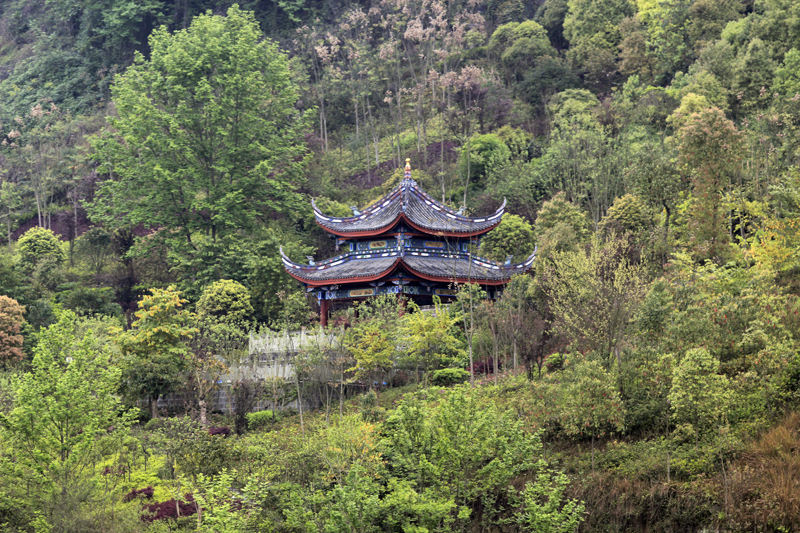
pixel 371 266
pixel 410 203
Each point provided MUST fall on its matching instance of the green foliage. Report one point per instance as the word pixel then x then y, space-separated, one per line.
pixel 710 146
pixel 220 504
pixel 551 75
pixel 787 79
pixel 595 293
pixel 572 106
pixel 260 419
pixel 429 338
pixel 37 246
pixel 626 214
pixel 190 450
pixel 227 302
pixel 699 396
pixel 487 153
pixel 545 508
pixel 560 225
pixel 11 321
pixel 370 410
pixel 95 247
pixel 85 301
pixel 586 18
pixel 66 420
pixel 458 449
pixel 372 347
pixel 589 404
pixel 447 377
pixel 10 277
pixel 513 237
pixel 155 348
pixel 371 340
pixel 219 82
pixel 519 46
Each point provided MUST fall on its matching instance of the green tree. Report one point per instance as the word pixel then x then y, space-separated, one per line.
pixel 207 138
pixel 483 155
pixel 560 226
pixel 11 320
pixel 512 237
pixel 586 18
pixel 373 348
pixel 11 200
pixel 589 404
pixel 545 508
pixel 429 337
pixel 551 16
pixel 95 246
pixel 667 26
pixel 227 302
pixel 699 396
pixel 710 147
pixel 155 349
pixel 66 420
pixel 787 76
pixel 657 180
pixel 594 294
pixel 459 447
pixel 519 46
pixel 38 245
pixel 626 214
pixel 707 19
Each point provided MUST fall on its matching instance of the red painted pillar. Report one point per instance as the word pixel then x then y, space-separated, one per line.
pixel 323 312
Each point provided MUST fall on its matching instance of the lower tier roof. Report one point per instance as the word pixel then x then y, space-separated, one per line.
pixel 444 267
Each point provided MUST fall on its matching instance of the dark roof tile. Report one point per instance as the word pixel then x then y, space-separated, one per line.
pixel 419 207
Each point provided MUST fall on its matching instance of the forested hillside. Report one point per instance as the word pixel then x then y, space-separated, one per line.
pixel 155 157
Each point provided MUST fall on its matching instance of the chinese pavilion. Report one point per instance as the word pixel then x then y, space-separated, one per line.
pixel 408 244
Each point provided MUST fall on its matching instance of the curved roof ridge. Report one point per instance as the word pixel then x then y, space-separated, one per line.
pixel 460 267
pixel 410 202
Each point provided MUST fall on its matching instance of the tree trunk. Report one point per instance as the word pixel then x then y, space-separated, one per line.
pixel 203 412
pixel 515 357
pixel 154 407
pixel 299 401
pixel 668 467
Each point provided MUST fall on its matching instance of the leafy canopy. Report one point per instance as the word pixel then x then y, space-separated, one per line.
pixel 207 137
pixel 155 349
pixel 64 422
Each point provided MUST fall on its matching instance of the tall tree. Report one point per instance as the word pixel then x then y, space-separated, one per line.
pixel 208 139
pixel 699 396
pixel 155 349
pixel 11 319
pixel 710 146
pixel 66 421
pixel 594 294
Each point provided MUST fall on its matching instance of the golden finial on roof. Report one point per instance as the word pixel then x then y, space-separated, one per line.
pixel 408 168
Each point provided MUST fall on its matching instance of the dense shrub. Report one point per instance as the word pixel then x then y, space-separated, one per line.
pixel 449 376
pixel 145 493
pixel 260 419
pixel 88 301
pixel 11 320
pixel 555 361
pixel 37 244
pixel 226 301
pixel 224 431
pixel 370 410
pixel 170 509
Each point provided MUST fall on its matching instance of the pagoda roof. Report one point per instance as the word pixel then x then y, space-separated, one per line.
pixel 445 267
pixel 408 202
